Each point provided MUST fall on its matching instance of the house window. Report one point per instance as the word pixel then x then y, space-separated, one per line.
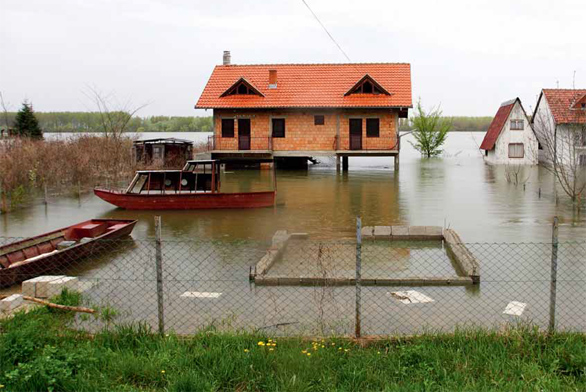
pixel 278 127
pixel 372 127
pixel 319 120
pixel 241 88
pixel 517 125
pixel 227 127
pixel 157 152
pixel 367 85
pixel 516 150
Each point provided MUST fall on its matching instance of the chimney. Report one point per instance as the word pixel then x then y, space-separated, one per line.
pixel 272 78
pixel 226 57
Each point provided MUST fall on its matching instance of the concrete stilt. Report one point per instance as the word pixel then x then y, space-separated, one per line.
pixel 345 163
pixel 338 163
pixel 397 162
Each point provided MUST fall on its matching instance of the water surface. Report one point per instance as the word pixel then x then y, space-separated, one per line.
pixel 456 190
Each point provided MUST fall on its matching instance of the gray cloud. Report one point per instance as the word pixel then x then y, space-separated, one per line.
pixel 467 55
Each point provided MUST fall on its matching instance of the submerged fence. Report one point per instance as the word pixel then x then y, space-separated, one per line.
pixel 346 287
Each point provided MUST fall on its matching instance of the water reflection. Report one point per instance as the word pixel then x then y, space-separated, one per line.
pixel 456 190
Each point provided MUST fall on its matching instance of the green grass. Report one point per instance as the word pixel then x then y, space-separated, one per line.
pixel 38 352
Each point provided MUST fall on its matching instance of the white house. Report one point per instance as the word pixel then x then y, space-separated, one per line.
pixel 559 121
pixel 510 138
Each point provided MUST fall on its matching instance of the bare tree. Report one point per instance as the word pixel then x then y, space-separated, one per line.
pixel 5 116
pixel 564 149
pixel 515 174
pixel 115 116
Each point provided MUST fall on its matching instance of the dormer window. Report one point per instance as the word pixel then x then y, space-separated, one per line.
pixel 242 87
pixel 367 85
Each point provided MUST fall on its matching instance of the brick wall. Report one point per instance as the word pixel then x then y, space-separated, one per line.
pixel 301 134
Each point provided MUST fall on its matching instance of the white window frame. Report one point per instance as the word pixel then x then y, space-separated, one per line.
pixel 517 125
pixel 516 144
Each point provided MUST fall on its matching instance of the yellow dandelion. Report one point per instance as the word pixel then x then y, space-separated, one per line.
pixel 261 343
pixel 339 348
pixel 304 352
pixel 271 349
pixel 246 350
pixel 378 352
pixel 162 371
pixel 346 350
pixel 333 344
pixel 270 340
pixel 309 354
pixel 322 346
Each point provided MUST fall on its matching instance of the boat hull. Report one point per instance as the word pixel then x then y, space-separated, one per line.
pixel 187 201
pixel 63 258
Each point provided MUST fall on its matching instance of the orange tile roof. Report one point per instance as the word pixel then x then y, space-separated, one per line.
pixel 562 103
pixel 309 85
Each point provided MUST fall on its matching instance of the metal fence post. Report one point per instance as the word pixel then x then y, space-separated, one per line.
pixel 554 273
pixel 357 330
pixel 159 265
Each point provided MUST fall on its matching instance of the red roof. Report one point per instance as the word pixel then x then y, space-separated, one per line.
pixel 563 105
pixel 308 85
pixel 497 124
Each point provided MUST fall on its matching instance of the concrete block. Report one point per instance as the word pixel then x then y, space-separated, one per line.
pixel 280 237
pixel 382 231
pixel 400 232
pixel 37 287
pixel 434 232
pixel 55 287
pixel 11 302
pixel 417 233
pixel 367 232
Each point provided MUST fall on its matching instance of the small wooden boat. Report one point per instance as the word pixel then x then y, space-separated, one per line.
pixel 57 249
pixel 196 186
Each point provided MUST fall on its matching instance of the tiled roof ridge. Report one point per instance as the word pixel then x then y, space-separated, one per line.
pixel 308 64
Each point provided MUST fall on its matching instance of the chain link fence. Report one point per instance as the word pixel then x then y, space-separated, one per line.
pixel 308 287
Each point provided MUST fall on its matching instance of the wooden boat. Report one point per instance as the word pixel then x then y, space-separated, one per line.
pixel 196 186
pixel 57 249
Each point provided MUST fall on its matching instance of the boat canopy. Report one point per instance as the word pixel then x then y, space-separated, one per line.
pixel 196 176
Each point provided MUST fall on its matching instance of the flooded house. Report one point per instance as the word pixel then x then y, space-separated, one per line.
pixel 290 113
pixel 510 138
pixel 559 120
pixel 169 152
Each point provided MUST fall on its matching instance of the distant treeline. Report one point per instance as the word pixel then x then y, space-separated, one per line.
pixel 459 124
pixel 91 122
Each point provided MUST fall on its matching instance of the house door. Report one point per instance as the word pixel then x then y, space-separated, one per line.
pixel 355 134
pixel 244 134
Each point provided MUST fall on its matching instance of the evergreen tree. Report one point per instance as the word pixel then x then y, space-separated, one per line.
pixel 26 124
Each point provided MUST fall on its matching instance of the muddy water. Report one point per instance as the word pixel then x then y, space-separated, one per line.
pixel 212 251
pixel 456 190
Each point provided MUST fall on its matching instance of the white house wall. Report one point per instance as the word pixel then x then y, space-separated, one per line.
pixel 565 148
pixel 500 153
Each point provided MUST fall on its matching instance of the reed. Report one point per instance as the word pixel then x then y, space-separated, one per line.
pixel 28 167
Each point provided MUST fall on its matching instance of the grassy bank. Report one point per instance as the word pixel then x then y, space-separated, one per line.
pixel 38 352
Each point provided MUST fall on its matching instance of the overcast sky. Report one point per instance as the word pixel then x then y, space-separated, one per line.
pixel 468 56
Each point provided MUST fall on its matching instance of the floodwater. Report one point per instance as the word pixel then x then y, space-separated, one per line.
pixel 207 255
pixel 456 190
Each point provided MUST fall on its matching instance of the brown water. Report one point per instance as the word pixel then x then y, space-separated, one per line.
pixel 212 251
pixel 456 190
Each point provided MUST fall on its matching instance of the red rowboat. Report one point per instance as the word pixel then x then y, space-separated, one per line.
pixel 196 186
pixel 57 249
